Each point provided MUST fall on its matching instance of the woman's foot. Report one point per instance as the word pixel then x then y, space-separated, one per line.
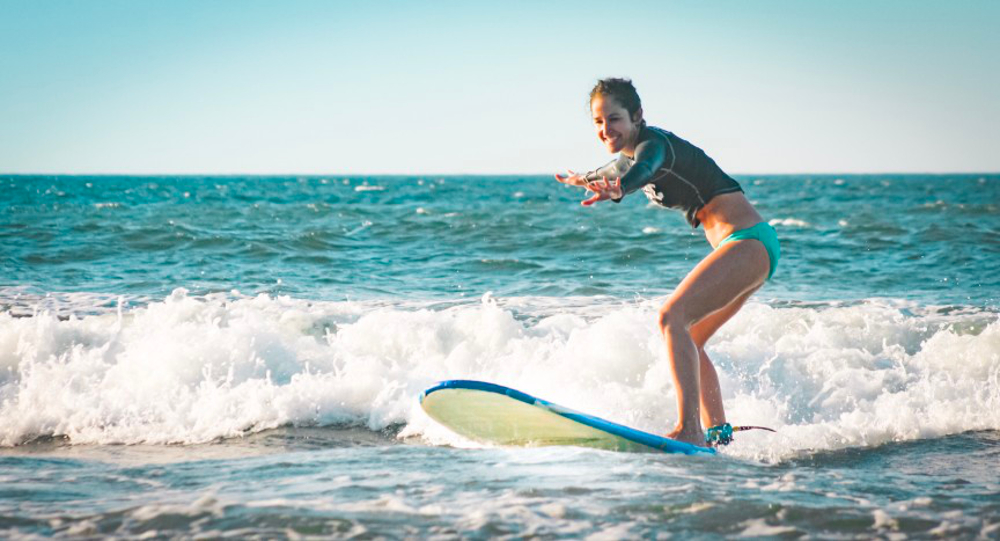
pixel 693 436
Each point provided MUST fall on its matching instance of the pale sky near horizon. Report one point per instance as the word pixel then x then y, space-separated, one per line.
pixel 414 88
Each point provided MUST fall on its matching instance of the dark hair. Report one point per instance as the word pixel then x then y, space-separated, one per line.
pixel 622 90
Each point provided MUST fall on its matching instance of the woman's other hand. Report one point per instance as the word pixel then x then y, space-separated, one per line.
pixel 573 179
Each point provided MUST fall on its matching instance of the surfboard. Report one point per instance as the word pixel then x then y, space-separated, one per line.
pixel 494 414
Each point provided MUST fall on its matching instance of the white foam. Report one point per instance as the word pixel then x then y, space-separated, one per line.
pixel 193 369
pixel 789 222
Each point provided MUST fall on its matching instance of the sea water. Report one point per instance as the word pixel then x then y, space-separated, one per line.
pixel 242 357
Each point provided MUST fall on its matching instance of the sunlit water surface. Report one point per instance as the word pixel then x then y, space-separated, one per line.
pixel 241 356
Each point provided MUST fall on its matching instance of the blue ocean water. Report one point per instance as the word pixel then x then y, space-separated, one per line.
pixel 241 356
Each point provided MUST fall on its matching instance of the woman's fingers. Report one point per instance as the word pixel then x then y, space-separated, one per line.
pixel 571 178
pixel 597 187
pixel 603 185
pixel 601 188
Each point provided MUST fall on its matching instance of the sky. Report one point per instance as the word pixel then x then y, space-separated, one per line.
pixel 446 87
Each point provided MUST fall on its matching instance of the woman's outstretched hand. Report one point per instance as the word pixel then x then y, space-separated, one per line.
pixel 602 189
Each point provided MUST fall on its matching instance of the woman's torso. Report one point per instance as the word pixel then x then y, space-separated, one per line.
pixel 725 214
pixel 690 181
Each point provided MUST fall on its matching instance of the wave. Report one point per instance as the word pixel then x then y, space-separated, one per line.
pixel 790 222
pixel 193 369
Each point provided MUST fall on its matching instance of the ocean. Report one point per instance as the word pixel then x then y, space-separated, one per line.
pixel 238 356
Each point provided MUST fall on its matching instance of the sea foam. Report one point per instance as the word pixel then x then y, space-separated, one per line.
pixel 191 369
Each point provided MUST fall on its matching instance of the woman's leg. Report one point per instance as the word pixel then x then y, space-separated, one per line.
pixel 713 413
pixel 726 275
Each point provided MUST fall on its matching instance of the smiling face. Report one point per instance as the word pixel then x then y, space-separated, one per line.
pixel 616 128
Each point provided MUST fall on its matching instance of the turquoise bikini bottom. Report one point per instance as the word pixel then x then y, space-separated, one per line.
pixel 766 235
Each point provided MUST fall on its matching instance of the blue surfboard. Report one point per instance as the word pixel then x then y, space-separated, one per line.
pixel 498 415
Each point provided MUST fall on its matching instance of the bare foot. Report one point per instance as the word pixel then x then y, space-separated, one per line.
pixel 694 437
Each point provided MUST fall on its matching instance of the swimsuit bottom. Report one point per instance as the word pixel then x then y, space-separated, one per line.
pixel 766 235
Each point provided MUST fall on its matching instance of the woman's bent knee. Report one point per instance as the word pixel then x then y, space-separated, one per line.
pixel 672 317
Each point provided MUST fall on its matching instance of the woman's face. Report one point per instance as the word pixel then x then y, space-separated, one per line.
pixel 615 127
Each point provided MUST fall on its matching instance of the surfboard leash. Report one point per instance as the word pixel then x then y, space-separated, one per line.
pixel 718 436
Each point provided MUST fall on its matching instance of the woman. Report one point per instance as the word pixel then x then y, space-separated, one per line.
pixel 676 174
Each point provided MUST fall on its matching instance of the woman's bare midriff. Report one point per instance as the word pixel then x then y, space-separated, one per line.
pixel 725 214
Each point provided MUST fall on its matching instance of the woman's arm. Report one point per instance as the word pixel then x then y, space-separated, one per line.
pixel 627 176
pixel 602 189
pixel 611 169
pixel 622 176
pixel 649 158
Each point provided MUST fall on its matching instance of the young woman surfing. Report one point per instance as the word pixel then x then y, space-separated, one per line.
pixel 674 173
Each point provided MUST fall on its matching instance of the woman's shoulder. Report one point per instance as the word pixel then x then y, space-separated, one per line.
pixel 652 136
pixel 670 138
pixel 655 135
pixel 655 131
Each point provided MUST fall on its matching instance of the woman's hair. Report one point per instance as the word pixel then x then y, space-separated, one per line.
pixel 621 90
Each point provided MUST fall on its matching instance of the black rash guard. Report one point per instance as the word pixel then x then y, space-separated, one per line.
pixel 671 171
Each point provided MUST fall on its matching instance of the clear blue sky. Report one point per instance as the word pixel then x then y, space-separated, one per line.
pixel 396 87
